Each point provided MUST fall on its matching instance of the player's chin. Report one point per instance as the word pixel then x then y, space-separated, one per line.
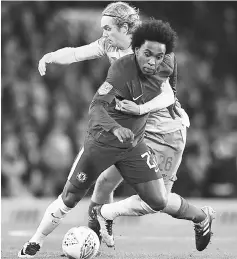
pixel 148 71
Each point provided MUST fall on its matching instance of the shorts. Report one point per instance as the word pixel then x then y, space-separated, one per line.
pixel 136 164
pixel 168 150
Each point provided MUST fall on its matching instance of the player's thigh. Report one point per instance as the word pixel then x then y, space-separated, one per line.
pixel 168 149
pixel 110 178
pixel 138 165
pixel 91 161
pixel 170 162
pixel 139 168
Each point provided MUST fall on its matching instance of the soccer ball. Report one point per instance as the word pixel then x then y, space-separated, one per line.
pixel 80 243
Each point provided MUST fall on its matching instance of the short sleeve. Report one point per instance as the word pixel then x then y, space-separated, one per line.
pixel 116 76
pixel 113 85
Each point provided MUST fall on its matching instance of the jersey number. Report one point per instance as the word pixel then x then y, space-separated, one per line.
pixel 167 163
pixel 150 161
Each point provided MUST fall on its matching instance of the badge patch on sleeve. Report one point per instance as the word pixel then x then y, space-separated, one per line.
pixel 105 88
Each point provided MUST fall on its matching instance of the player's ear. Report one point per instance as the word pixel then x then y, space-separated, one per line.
pixel 124 28
pixel 136 51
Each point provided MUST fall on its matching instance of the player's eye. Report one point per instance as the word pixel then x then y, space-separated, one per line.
pixel 159 57
pixel 107 29
pixel 147 54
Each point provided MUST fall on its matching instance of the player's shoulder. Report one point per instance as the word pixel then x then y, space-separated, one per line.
pixel 168 64
pixel 126 61
pixel 125 66
pixel 169 60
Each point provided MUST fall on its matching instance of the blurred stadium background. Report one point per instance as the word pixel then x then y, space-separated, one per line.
pixel 44 118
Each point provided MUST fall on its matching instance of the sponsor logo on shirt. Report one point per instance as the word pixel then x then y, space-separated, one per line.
pixel 136 98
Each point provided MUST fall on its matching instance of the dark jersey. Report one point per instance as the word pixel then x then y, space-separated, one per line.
pixel 124 81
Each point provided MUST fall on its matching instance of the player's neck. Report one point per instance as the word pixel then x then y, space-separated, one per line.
pixel 126 43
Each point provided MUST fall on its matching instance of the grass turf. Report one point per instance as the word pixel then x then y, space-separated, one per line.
pixel 152 236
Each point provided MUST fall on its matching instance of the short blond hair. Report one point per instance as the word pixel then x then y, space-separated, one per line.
pixel 123 13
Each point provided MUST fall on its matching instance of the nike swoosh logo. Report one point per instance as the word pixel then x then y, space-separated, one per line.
pixel 134 99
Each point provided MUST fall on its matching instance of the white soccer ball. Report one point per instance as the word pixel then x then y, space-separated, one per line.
pixel 80 243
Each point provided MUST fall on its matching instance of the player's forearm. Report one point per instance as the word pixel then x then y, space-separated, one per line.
pixel 66 56
pixel 163 100
pixel 99 117
pixel 63 56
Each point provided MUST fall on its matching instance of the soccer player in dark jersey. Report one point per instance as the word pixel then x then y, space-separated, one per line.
pixel 165 134
pixel 117 138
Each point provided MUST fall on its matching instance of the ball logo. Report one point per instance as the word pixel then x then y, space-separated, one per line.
pixel 81 177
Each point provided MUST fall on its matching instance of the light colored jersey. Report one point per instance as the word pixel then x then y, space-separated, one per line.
pixel 159 121
pixel 100 48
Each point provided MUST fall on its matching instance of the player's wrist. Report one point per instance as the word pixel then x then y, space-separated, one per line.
pixel 115 128
pixel 140 109
pixel 143 109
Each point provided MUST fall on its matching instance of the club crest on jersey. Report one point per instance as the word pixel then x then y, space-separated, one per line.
pixel 81 177
pixel 105 88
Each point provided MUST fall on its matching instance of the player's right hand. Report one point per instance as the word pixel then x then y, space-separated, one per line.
pixel 124 134
pixel 43 63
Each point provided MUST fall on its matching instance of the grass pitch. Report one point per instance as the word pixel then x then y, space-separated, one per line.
pixel 153 236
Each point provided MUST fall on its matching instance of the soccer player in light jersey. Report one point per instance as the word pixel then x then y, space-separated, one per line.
pixel 118 26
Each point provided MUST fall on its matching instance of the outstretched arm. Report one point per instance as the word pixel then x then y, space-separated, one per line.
pixel 163 100
pixel 66 56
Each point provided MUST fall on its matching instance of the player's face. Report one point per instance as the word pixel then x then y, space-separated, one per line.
pixel 149 56
pixel 112 32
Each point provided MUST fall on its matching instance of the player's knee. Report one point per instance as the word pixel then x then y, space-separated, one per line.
pixel 72 195
pixel 158 203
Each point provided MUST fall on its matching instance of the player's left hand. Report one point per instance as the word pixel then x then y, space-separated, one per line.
pixel 129 107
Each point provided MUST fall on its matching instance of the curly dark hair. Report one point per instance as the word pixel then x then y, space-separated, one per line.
pixel 154 30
